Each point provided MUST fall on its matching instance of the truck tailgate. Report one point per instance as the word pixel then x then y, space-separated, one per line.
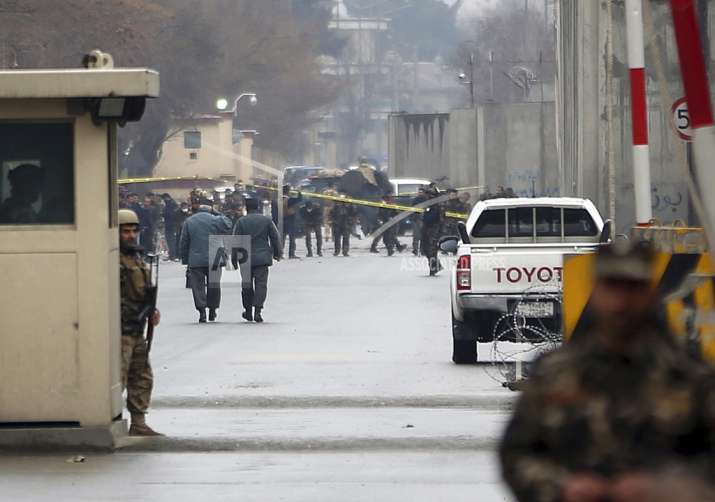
pixel 515 269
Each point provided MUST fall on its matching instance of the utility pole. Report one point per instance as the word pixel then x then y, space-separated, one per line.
pixel 471 78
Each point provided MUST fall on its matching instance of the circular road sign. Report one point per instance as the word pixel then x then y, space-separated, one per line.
pixel 681 119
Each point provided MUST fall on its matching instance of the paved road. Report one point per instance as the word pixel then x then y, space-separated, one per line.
pixel 347 392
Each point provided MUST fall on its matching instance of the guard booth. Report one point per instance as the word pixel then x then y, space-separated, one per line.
pixel 59 261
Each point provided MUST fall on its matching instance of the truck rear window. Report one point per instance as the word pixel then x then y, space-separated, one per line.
pixel 578 223
pixel 521 222
pixel 491 223
pixel 548 222
pixel 535 222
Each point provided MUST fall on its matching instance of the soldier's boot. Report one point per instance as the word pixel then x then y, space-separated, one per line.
pixel 212 314
pixel 140 428
pixel 248 314
pixel 401 247
pixel 390 251
pixel 309 254
pixel 202 315
pixel 320 252
pixel 257 316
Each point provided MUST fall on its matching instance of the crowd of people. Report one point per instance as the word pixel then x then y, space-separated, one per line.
pixel 316 219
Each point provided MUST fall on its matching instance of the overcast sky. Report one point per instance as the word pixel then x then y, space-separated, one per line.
pixel 471 6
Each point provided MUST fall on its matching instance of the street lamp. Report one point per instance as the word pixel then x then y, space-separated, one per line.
pixel 469 79
pixel 222 103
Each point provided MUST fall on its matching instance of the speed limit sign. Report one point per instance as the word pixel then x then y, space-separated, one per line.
pixel 681 119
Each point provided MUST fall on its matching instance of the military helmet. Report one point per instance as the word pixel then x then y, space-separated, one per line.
pixel 128 217
pixel 625 260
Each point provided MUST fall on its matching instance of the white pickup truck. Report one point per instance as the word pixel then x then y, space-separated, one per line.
pixel 509 252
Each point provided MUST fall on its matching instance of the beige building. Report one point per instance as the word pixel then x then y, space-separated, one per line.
pixel 204 146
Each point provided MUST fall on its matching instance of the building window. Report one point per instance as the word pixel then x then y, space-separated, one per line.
pixel 192 140
pixel 37 173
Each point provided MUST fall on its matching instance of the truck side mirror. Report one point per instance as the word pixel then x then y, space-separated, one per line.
pixel 607 232
pixel 463 234
pixel 449 244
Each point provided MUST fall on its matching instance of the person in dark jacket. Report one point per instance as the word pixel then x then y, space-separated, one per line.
pixel 343 216
pixel 149 222
pixel 169 214
pixel 265 247
pixel 389 235
pixel 194 246
pixel 180 216
pixel 432 221
pixel 416 219
pixel 291 204
pixel 312 216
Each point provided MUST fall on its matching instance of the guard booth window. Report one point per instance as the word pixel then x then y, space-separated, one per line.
pixel 36 173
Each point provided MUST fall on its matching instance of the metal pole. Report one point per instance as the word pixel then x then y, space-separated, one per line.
pixel 609 115
pixel 639 112
pixel 491 75
pixel 471 78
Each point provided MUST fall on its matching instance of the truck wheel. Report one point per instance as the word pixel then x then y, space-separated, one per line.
pixel 484 326
pixel 465 347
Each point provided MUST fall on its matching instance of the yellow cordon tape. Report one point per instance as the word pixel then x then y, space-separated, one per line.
pixel 369 203
pixel 128 181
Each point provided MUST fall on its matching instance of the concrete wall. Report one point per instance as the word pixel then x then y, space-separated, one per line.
pixel 510 145
pixel 419 145
pixel 519 148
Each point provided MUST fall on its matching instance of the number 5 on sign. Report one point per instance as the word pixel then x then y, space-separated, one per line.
pixel 681 119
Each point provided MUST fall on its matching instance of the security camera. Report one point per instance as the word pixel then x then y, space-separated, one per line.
pixel 462 76
pixel 97 59
pixel 254 100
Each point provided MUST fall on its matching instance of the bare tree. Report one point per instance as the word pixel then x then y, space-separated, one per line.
pixel 202 49
pixel 513 48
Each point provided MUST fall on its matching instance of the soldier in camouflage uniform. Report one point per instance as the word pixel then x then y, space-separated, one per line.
pixel 137 377
pixel 620 413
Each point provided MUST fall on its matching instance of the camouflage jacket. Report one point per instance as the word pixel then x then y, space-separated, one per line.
pixel 586 409
pixel 134 279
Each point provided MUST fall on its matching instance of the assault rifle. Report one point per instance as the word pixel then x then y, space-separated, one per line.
pixel 152 291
